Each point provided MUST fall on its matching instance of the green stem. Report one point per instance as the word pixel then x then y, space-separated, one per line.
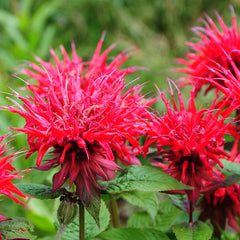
pixel 114 212
pixel 60 231
pixel 81 222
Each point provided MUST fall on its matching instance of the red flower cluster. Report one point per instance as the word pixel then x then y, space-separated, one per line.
pixel 220 206
pixel 7 174
pixel 215 47
pixel 190 142
pixel 80 114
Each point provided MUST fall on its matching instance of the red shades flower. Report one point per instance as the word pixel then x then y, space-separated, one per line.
pixel 7 174
pixel 220 206
pixel 85 122
pixel 211 50
pixel 190 142
pixel 77 70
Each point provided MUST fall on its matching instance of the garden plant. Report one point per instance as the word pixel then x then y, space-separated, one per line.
pixel 98 146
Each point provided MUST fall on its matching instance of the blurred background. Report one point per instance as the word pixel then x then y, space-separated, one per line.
pixel 158 28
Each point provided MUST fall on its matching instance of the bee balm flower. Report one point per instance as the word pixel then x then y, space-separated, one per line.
pixel 212 49
pixel 189 142
pixel 85 128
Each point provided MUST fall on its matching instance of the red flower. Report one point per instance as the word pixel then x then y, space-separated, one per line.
pixel 68 71
pixel 190 142
pixel 220 206
pixel 212 49
pixel 228 82
pixel 7 174
pixel 85 128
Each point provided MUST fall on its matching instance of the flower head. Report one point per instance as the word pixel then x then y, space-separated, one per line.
pixel 7 174
pixel 68 70
pixel 221 205
pixel 212 49
pixel 190 142
pixel 85 128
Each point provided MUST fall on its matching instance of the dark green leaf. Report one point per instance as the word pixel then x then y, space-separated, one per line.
pixel 143 178
pixel 133 233
pixel 16 228
pixel 39 191
pixel 140 220
pixel 201 231
pixel 145 200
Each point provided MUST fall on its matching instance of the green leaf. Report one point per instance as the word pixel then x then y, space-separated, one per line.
pixel 169 213
pixel 140 220
pixel 143 178
pixel 145 200
pixel 39 191
pixel 93 207
pixel 91 228
pixel 133 233
pixel 183 231
pixel 16 228
pixel 230 168
pixel 201 231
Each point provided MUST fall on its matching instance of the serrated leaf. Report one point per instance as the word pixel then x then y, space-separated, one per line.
pixel 93 207
pixel 143 178
pixel 145 200
pixel 167 217
pixel 201 231
pixel 133 233
pixel 16 228
pixel 139 220
pixel 91 228
pixel 230 168
pixel 39 191
pixel 183 231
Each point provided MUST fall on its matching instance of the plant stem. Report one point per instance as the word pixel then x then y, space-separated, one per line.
pixel 81 221
pixel 60 231
pixel 114 212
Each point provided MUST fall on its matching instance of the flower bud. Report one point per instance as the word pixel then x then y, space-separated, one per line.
pixel 67 211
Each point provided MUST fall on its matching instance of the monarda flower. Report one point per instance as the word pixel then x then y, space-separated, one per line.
pixel 68 70
pixel 212 49
pixel 7 174
pixel 190 142
pixel 85 128
pixel 221 207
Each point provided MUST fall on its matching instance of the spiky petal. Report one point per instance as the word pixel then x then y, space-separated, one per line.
pixel 76 70
pixel 190 142
pixel 85 122
pixel 8 173
pixel 213 48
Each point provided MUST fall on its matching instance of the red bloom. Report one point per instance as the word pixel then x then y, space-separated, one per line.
pixel 190 142
pixel 228 82
pixel 7 174
pixel 68 71
pixel 211 50
pixel 220 206
pixel 85 128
